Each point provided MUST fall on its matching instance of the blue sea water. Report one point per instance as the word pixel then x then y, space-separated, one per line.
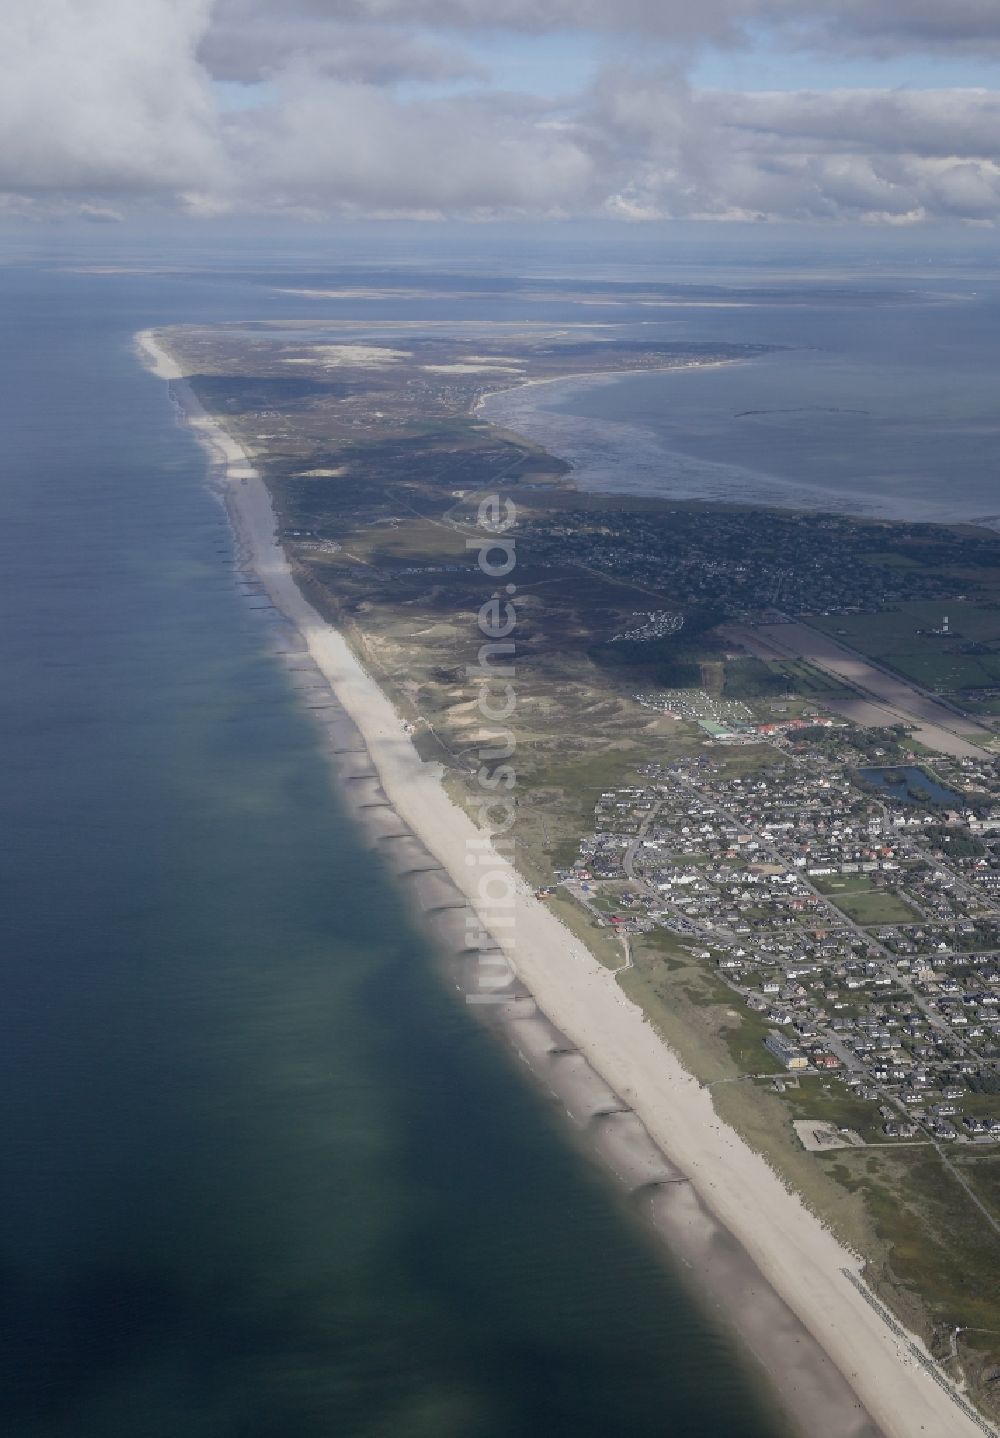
pixel 880 401
pixel 260 1174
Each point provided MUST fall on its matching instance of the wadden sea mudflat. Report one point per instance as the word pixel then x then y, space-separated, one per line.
pixel 787 1285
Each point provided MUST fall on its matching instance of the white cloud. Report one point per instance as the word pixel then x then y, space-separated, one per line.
pixel 104 96
pixel 247 47
pixel 356 148
pixel 946 123
pixel 871 27
pixel 103 100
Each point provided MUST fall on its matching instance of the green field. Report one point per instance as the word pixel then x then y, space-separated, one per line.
pixel 856 896
pixel 831 1103
pixel 934 661
pixel 744 1037
pixel 938 1244
pixel 833 884
pixel 876 909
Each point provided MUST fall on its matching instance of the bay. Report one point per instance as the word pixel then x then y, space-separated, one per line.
pixel 881 404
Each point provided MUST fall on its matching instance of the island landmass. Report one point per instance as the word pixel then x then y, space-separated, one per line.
pixel 752 785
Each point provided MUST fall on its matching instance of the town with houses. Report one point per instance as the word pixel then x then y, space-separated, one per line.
pixel 853 912
pixel 748 561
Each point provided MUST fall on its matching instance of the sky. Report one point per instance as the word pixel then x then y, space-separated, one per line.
pixel 873 112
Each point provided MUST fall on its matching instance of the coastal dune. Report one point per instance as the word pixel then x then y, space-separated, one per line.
pixel 754 1251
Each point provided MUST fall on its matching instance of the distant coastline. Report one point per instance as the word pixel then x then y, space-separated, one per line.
pixel 627 457
pixel 597 451
pixel 790 1289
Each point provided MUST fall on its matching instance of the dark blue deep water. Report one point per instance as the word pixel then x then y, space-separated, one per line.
pixel 260 1175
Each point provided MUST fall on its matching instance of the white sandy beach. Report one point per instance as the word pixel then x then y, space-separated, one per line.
pixel 593 377
pixel 803 1263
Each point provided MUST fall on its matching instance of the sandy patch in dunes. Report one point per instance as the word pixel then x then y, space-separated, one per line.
pixel 479 364
pixel 366 356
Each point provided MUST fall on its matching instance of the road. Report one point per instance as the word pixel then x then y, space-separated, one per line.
pixel 889 698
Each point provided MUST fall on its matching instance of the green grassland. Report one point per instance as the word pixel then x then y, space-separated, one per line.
pixel 857 896
pixel 986 708
pixel 757 679
pixel 845 884
pixel 831 1103
pixel 933 661
pixel 942 1259
pixel 875 908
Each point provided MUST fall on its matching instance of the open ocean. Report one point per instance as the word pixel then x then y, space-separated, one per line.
pixel 261 1176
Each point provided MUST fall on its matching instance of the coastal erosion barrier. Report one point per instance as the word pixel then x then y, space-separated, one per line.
pixel 719 1271
pixel 924 1359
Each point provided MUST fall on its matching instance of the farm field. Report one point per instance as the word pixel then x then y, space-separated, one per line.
pixel 939 662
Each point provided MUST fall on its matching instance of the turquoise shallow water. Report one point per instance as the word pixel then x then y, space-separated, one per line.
pixel 260 1174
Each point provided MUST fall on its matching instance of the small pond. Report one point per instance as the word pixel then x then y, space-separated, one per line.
pixel 910 785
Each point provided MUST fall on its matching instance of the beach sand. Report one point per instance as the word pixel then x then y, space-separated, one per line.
pixel 754 1252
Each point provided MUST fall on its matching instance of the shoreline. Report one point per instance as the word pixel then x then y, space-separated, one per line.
pixel 604 376
pixel 583 379
pixel 790 1290
pixel 767 491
